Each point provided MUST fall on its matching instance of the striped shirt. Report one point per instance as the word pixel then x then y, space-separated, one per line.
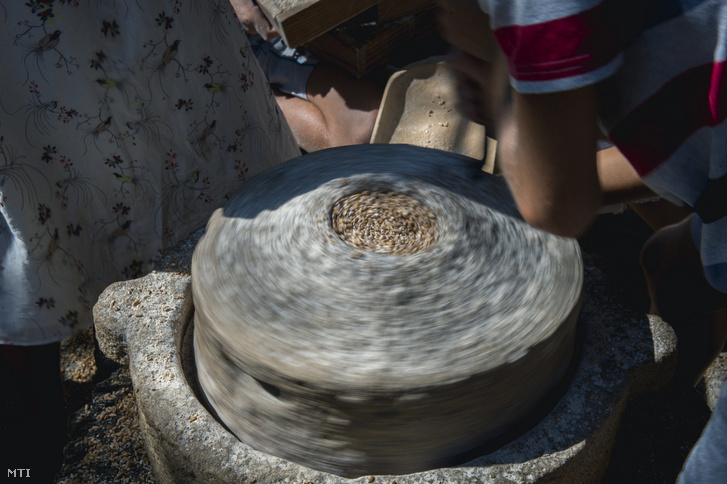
pixel 661 71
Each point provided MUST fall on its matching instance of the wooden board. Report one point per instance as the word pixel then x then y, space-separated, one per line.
pixel 300 21
pixel 358 49
pixel 393 9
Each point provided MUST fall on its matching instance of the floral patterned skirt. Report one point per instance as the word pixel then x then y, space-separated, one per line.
pixel 123 124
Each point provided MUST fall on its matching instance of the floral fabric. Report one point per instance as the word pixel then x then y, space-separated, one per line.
pixel 123 124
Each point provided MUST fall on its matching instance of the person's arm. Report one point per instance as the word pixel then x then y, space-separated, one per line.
pixel 546 142
pixel 619 181
pixel 547 149
pixel 484 89
pixel 464 25
pixel 253 20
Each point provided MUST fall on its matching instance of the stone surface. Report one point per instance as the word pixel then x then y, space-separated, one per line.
pixel 714 378
pixel 419 107
pixel 108 446
pixel 623 353
pixel 655 435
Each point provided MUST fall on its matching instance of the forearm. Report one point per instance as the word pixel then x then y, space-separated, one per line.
pixel 546 142
pixel 548 155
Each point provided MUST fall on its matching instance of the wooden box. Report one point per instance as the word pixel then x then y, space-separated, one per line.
pixel 300 21
pixel 359 48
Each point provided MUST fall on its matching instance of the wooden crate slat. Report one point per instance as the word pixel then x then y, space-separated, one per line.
pixel 392 9
pixel 358 51
pixel 300 21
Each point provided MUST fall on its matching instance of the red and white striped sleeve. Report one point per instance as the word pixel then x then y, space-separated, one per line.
pixel 554 45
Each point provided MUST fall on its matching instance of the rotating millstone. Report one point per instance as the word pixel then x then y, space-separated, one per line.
pixel 379 309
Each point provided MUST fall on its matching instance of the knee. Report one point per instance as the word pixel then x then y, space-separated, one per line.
pixel 362 128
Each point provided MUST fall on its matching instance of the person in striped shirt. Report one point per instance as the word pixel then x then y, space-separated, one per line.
pixel 651 75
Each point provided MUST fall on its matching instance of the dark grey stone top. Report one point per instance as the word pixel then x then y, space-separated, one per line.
pixel 278 285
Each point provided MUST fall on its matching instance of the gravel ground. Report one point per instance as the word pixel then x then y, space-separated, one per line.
pixel 654 439
pixel 105 443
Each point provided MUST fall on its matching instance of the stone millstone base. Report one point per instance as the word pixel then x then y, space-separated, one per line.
pixel 379 309
pixel 143 322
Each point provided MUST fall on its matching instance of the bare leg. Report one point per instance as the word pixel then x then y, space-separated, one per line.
pixel 308 124
pixel 340 110
pixel 681 295
pixel 350 106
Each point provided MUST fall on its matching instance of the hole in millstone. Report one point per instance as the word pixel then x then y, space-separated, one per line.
pixel 384 222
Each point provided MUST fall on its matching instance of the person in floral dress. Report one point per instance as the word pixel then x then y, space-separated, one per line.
pixel 123 124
